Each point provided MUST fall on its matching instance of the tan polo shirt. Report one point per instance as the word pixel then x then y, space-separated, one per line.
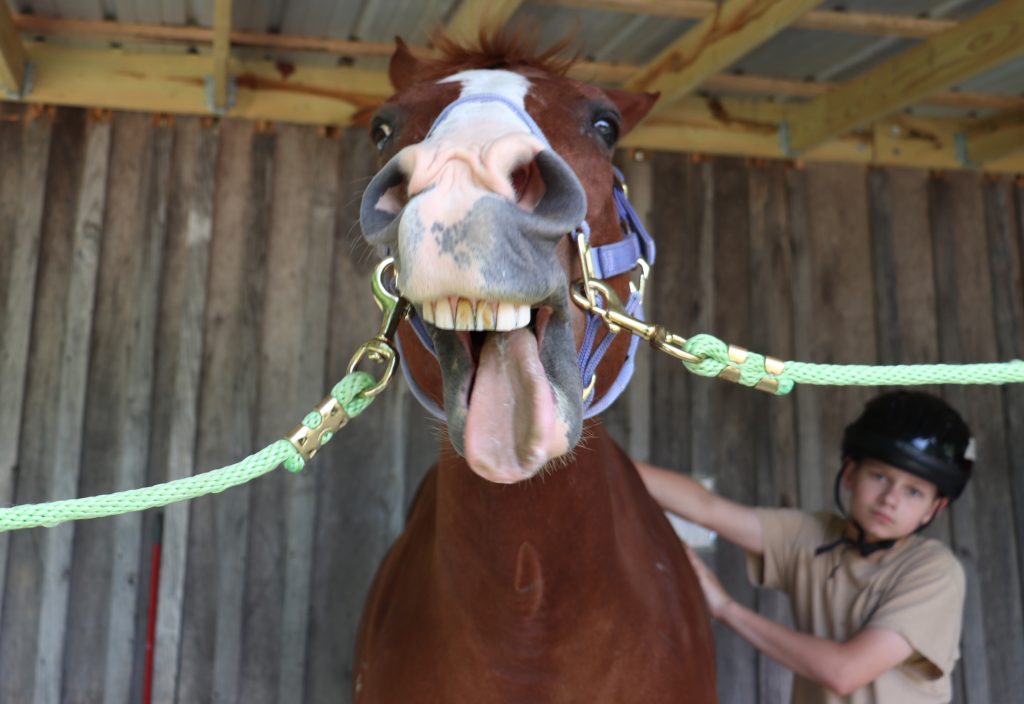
pixel 915 589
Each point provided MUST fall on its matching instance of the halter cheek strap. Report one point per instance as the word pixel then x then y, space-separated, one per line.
pixel 607 261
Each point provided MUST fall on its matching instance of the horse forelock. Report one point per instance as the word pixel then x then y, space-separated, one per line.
pixel 511 49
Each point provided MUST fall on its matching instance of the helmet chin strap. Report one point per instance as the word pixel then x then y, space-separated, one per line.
pixel 635 249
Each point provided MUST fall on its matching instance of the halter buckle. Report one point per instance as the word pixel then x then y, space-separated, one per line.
pixel 587 293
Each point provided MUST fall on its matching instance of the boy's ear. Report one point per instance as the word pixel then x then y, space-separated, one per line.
pixel 849 468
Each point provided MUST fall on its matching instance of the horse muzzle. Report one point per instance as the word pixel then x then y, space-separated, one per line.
pixel 482 270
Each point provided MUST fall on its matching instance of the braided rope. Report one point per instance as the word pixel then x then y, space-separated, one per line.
pixel 714 358
pixel 348 394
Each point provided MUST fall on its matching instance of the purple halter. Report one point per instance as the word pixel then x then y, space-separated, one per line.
pixel 609 260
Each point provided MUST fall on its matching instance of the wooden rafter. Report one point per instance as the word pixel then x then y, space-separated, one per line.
pixel 318 95
pixel 12 54
pixel 762 85
pixel 821 20
pixel 221 54
pixel 994 138
pixel 714 44
pixel 990 38
pixel 175 84
pixel 470 15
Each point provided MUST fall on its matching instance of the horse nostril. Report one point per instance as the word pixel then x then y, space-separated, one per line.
pixel 393 199
pixel 528 185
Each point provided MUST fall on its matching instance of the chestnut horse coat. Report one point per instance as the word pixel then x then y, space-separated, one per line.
pixel 570 587
pixel 534 567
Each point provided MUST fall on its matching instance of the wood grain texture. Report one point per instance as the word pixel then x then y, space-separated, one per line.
pixel 177 387
pixel 773 433
pixel 211 612
pixel 24 163
pixel 105 567
pixel 731 412
pixel 35 608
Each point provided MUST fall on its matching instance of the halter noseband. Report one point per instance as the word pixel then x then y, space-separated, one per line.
pixel 636 248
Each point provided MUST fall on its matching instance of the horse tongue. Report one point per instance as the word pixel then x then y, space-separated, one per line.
pixel 511 429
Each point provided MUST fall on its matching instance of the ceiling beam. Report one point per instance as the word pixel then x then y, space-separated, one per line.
pixel 221 55
pixel 714 44
pixel 176 84
pixel 12 54
pixel 340 96
pixel 876 24
pixel 777 87
pixel 992 139
pixel 471 15
pixel 990 38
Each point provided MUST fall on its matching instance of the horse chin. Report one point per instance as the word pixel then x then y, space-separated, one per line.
pixel 512 398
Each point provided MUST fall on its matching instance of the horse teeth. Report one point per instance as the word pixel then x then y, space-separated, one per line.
pixel 443 317
pixel 485 315
pixel 464 315
pixel 455 313
pixel 507 319
pixel 522 316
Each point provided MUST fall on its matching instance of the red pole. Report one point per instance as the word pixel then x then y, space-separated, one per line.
pixel 154 595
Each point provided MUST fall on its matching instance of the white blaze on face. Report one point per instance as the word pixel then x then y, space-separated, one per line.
pixel 487 119
pixel 475 148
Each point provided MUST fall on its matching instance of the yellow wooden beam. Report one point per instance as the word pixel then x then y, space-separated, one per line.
pixel 877 24
pixel 749 128
pixel 988 39
pixel 12 54
pixel 715 44
pixel 221 55
pixel 471 15
pixel 993 139
pixel 175 83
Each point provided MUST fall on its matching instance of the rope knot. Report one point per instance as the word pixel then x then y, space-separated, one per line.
pixel 736 364
pixel 714 355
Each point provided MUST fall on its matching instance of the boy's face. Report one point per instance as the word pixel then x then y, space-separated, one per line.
pixel 888 502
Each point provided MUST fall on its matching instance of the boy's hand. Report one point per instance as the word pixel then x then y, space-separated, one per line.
pixel 714 593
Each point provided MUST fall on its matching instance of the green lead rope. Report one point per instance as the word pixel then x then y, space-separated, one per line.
pixel 753 371
pixel 348 393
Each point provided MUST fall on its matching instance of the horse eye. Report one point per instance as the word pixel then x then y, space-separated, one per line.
pixel 608 129
pixel 380 132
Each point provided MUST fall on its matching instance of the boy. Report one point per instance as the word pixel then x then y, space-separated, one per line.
pixel 877 607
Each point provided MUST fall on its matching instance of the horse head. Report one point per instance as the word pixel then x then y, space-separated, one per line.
pixel 492 160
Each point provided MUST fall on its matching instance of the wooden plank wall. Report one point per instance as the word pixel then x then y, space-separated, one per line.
pixel 175 296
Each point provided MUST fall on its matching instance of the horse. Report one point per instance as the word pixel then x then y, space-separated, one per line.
pixel 534 566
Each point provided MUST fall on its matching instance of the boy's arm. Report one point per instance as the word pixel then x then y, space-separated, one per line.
pixel 689 499
pixel 842 667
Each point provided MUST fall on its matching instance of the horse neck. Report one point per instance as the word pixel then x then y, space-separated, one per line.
pixel 572 510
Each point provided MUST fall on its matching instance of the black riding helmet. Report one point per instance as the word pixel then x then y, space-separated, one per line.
pixel 918 433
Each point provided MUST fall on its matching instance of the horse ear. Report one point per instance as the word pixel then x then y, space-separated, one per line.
pixel 633 105
pixel 403 67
